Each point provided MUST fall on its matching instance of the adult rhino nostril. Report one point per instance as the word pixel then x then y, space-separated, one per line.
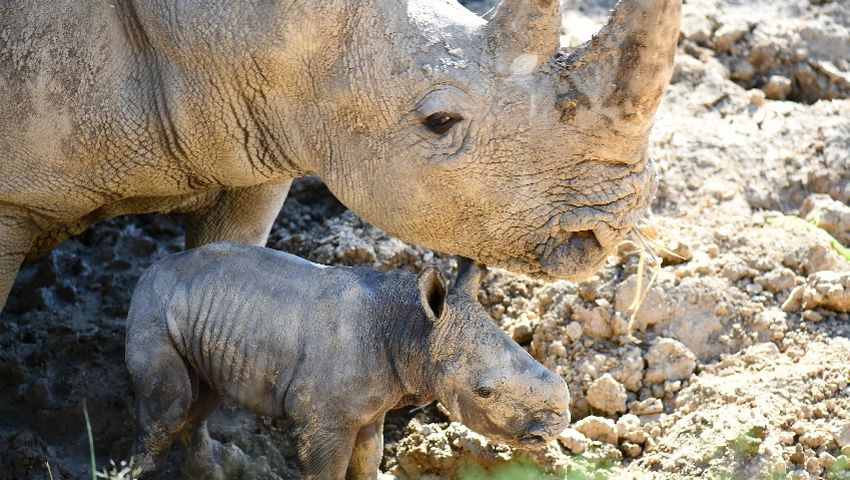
pixel 584 239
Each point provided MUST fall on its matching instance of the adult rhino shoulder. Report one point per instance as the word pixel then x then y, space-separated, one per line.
pixel 471 137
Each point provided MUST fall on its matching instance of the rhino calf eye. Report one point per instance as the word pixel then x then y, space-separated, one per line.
pixel 483 392
pixel 441 122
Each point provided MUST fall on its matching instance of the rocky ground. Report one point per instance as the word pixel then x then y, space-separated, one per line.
pixel 735 366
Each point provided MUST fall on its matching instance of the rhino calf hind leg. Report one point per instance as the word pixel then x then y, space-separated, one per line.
pixel 244 215
pixel 368 452
pixel 15 242
pixel 163 396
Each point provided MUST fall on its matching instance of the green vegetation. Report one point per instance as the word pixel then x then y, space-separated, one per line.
pixel 581 468
pixel 122 471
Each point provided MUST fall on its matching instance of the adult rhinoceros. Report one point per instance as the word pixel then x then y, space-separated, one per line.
pixel 471 137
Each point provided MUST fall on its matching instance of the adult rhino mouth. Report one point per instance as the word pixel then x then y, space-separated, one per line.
pixel 577 250
pixel 580 255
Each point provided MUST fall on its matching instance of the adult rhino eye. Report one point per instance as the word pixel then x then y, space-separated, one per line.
pixel 441 122
pixel 483 392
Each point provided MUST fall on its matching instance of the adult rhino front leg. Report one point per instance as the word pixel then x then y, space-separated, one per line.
pixel 16 237
pixel 243 215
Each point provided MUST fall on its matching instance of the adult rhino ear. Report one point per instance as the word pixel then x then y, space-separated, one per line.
pixel 432 292
pixel 468 277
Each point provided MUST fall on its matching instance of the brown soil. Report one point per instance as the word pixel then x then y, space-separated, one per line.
pixel 740 362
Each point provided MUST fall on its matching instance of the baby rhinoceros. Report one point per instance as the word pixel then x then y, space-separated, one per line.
pixel 330 348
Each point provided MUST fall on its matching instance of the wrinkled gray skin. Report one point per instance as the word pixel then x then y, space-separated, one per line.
pixel 331 348
pixel 450 132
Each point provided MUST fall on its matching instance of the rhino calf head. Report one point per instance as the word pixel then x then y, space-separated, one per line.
pixel 485 379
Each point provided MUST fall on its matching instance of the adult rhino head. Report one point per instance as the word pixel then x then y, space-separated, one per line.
pixel 481 138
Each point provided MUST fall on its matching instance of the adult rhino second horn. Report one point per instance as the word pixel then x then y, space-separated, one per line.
pixel 611 85
pixel 525 30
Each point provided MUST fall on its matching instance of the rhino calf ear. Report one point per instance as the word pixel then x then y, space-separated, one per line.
pixel 432 292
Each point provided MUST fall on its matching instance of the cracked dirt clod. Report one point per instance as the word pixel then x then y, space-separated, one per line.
pixel 607 395
pixel 669 360
pixel 829 290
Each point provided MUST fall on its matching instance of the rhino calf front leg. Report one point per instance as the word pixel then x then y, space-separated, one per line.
pixel 323 453
pixel 368 452
pixel 243 215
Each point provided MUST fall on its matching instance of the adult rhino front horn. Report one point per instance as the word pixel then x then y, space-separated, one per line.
pixel 472 137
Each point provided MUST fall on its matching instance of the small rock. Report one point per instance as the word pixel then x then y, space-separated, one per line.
pixel 794 302
pixel 742 70
pixel 777 87
pixel 629 428
pixel 830 215
pixel 573 331
pixel 757 97
pixel 813 467
pixel 595 322
pixel 826 460
pixel 588 290
pixel 815 438
pixel 820 258
pixel 777 280
pixel 650 406
pixel 557 349
pixel 522 332
pixel 841 435
pixel 785 438
pixel 573 440
pixel 828 290
pixel 736 271
pixel 676 253
pixel 630 449
pixel 696 27
pixel 728 34
pixel 669 359
pixel 607 394
pixel 598 428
